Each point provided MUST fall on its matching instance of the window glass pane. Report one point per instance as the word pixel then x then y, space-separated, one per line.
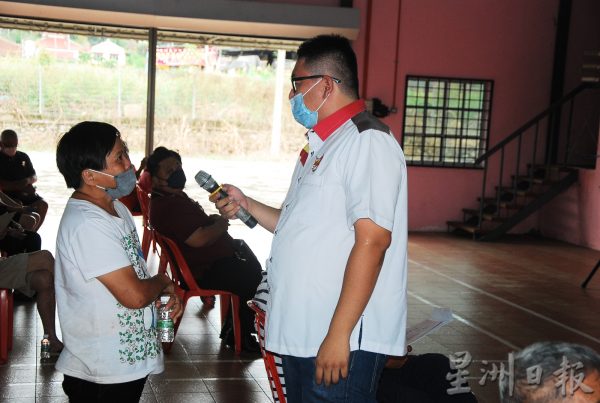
pixel 455 96
pixel 471 150
pixel 55 80
pixel 415 124
pixel 473 124
pixel 219 100
pixel 453 123
pixel 50 81
pixel 410 120
pixel 411 93
pixel 432 148
pixel 451 149
pixel 434 122
pixel 413 148
pixel 434 96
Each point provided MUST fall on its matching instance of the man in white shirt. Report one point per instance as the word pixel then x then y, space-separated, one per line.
pixel 337 270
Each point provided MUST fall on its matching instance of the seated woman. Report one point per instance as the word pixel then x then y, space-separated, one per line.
pixel 215 258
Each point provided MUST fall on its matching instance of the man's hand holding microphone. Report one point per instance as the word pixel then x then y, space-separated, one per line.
pixel 230 205
pixel 221 197
pixel 233 203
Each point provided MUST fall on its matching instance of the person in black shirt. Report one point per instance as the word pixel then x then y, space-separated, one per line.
pixel 17 175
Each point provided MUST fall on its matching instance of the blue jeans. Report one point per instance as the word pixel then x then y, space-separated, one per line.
pixel 359 386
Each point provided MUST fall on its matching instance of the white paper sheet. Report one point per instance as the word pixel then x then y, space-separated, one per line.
pixel 439 317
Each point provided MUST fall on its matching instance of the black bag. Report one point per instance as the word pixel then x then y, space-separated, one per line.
pixel 242 250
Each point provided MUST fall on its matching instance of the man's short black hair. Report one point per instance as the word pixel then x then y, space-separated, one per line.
pixel 332 55
pixel 8 134
pixel 85 146
pixel 159 154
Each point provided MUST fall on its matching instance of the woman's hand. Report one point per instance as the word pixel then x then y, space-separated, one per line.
pixel 175 304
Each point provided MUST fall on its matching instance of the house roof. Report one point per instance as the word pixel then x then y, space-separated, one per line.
pixel 109 47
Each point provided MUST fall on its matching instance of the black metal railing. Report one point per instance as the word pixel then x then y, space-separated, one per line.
pixel 526 139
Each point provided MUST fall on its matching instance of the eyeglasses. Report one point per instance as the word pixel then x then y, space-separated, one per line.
pixel 294 79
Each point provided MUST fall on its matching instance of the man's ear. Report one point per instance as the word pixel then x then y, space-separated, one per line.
pixel 328 87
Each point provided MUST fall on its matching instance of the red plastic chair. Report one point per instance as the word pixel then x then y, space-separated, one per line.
pixel 6 323
pixel 181 275
pixel 274 375
pixel 148 235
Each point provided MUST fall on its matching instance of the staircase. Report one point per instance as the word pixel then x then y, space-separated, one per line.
pixel 529 171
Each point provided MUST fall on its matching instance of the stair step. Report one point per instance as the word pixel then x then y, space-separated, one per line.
pixel 471 211
pixel 522 193
pixel 527 178
pixel 505 205
pixel 486 216
pixel 552 169
pixel 473 229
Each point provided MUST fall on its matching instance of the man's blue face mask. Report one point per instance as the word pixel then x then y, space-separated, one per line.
pixel 302 114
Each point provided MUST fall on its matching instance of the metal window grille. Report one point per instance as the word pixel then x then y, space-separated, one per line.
pixel 446 121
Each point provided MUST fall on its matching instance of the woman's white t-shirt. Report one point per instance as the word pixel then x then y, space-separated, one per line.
pixel 104 342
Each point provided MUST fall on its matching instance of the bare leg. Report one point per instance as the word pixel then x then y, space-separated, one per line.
pixel 41 280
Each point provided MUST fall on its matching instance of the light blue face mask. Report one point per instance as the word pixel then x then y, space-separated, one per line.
pixel 302 114
pixel 126 181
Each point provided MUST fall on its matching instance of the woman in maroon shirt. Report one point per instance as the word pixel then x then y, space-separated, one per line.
pixel 211 253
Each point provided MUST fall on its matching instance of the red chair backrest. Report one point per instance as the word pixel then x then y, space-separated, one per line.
pixel 144 199
pixel 179 268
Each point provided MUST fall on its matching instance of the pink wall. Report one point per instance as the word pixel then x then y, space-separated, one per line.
pixel 510 42
pixel 574 216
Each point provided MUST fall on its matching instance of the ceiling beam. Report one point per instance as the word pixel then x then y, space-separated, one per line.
pixel 235 17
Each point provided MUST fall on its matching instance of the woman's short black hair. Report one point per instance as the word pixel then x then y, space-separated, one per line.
pixel 85 146
pixel 159 154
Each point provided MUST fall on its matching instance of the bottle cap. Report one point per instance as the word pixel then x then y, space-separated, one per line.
pixel 164 299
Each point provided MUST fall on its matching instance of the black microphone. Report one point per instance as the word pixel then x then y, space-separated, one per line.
pixel 207 183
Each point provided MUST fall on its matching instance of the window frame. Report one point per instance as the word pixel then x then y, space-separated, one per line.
pixel 443 136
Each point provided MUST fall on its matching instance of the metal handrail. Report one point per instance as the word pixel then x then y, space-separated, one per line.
pixel 518 135
pixel 533 121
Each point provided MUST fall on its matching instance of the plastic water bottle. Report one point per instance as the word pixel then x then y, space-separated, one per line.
pixel 164 326
pixel 45 348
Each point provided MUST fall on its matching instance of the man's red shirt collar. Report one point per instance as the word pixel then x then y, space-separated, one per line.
pixel 328 125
